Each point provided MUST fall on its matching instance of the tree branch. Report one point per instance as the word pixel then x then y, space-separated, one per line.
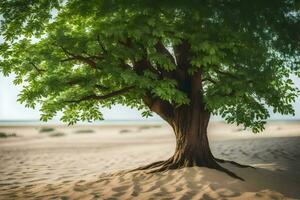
pixel 183 58
pixel 233 76
pixel 141 65
pixel 37 68
pixel 161 107
pixel 83 59
pixel 101 87
pixel 102 97
pixel 177 74
pixel 160 48
pixel 182 54
pixel 225 73
pixel 210 80
pixel 101 45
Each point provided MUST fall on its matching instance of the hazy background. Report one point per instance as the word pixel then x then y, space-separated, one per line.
pixel 11 110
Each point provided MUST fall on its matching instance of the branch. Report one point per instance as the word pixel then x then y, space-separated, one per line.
pixel 102 97
pixel 101 45
pixel 160 107
pixel 72 56
pixel 177 74
pixel 210 80
pixel 232 75
pixel 160 48
pixel 101 87
pixel 141 65
pixel 183 58
pixel 183 54
pixel 126 43
pixel 124 65
pixel 226 73
pixel 37 68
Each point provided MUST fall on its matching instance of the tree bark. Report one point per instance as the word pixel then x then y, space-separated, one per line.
pixel 192 146
pixel 190 127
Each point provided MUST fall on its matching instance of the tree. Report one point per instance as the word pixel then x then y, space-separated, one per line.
pixel 183 60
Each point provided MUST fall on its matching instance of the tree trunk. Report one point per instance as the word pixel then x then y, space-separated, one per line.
pixel 192 146
pixel 189 123
pixel 190 126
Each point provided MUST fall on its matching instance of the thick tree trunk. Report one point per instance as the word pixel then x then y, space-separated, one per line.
pixel 189 123
pixel 190 126
pixel 192 146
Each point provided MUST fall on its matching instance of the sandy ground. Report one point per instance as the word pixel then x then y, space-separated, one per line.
pixel 84 162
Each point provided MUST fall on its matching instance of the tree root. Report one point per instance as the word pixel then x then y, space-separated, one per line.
pixel 149 166
pixel 162 166
pixel 233 163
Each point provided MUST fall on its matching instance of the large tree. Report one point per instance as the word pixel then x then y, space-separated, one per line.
pixel 183 60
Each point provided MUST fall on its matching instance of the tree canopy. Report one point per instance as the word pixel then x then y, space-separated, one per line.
pixel 76 57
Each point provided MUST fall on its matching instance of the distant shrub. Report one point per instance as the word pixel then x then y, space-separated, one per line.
pixel 3 135
pixel 156 126
pixel 150 126
pixel 84 131
pixel 144 127
pixel 6 135
pixel 58 134
pixel 125 131
pixel 46 129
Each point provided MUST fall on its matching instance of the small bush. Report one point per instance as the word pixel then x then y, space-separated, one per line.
pixel 3 135
pixel 156 126
pixel 6 135
pixel 58 134
pixel 125 131
pixel 149 127
pixel 46 129
pixel 84 131
pixel 144 127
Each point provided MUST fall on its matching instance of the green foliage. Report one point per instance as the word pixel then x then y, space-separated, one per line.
pixel 146 113
pixel 76 57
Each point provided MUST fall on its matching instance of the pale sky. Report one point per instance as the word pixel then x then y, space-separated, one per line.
pixel 10 109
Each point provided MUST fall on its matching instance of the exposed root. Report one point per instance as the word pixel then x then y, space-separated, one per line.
pixel 167 165
pixel 162 166
pixel 234 163
pixel 150 166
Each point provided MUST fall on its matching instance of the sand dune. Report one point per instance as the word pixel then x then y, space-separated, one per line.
pixel 85 163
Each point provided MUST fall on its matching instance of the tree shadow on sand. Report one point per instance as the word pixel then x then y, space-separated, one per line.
pixel 196 183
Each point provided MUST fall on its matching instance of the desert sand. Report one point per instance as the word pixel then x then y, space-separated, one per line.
pixel 88 162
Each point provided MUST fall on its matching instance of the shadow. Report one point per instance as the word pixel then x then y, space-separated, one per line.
pixel 199 183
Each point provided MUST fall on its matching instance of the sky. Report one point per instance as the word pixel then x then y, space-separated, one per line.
pixel 10 109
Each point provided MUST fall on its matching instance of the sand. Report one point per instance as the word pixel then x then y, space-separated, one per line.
pixel 86 162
